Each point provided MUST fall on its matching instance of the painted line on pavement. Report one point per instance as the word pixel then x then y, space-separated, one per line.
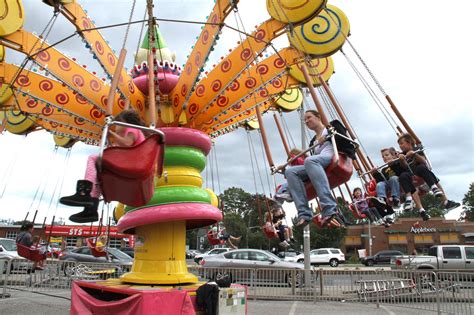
pixel 293 308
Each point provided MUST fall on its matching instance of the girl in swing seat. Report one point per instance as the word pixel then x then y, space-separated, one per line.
pixel 282 194
pixel 314 170
pixel 88 190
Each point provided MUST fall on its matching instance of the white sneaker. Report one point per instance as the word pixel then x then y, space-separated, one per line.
pixel 284 244
pixel 284 196
pixel 408 205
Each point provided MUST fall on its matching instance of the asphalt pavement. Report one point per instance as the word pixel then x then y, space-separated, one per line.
pixel 28 303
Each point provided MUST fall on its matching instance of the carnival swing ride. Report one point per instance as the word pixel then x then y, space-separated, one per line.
pixel 188 106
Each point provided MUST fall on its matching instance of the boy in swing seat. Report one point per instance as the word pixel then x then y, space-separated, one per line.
pixel 416 164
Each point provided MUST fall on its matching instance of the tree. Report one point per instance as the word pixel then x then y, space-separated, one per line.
pixel 236 200
pixel 468 205
pixel 325 237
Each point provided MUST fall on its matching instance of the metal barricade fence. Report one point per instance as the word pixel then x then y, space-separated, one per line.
pixel 441 292
pixel 57 275
pixel 436 291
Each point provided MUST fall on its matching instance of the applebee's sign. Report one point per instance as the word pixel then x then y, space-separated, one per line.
pixel 417 229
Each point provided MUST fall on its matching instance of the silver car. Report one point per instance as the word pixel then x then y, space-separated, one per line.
pixel 252 266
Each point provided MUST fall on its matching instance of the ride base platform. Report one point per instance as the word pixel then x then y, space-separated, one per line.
pixel 113 296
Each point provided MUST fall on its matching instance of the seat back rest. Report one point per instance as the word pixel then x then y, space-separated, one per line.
pixel 134 162
pixel 94 251
pixel 29 253
pixel 213 240
pixel 337 173
pixel 269 230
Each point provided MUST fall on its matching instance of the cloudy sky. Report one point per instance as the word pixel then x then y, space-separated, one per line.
pixel 423 61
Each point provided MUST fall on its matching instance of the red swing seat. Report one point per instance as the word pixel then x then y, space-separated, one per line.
pixel 269 230
pixel 92 246
pixel 127 172
pixel 29 253
pixel 337 173
pixel 355 211
pixel 214 240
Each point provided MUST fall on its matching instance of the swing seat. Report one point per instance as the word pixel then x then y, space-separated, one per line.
pixel 29 253
pixel 355 211
pixel 127 173
pixel 269 230
pixel 213 240
pixel 371 188
pixel 317 219
pixel 338 172
pixel 96 253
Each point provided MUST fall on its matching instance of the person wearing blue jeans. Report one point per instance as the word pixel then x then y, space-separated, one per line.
pixel 314 170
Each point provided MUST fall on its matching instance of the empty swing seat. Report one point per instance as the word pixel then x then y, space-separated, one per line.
pixel 213 240
pixel 337 173
pixel 127 172
pixel 29 253
pixel 92 246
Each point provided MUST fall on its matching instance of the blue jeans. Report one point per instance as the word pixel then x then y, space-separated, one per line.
pixel 394 188
pixel 314 170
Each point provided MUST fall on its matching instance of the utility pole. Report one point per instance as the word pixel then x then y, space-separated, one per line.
pixel 370 240
pixel 306 233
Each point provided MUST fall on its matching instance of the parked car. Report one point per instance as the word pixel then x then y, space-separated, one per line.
pixel 439 257
pixel 84 254
pixel 8 252
pixel 53 250
pixel 212 252
pixel 324 256
pixel 128 250
pixel 244 265
pixel 290 256
pixel 381 258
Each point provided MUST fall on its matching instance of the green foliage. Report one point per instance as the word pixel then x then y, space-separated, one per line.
pixel 468 204
pixel 325 237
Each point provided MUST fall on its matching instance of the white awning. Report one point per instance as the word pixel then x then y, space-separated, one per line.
pixel 468 234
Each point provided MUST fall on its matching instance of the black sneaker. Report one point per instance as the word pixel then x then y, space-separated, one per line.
pixel 379 203
pixel 437 192
pixel 449 204
pixel 396 202
pixel 424 215
pixel 89 214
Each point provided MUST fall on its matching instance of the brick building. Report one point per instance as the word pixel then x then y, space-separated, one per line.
pixel 408 234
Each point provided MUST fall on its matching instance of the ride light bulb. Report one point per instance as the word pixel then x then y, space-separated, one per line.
pixel 202 262
pixel 398 262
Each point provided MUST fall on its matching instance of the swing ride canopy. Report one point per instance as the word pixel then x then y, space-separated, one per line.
pixel 53 91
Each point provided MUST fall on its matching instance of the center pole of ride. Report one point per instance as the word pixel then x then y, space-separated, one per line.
pixel 306 233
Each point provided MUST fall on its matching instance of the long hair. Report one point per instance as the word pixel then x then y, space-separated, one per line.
pixel 356 189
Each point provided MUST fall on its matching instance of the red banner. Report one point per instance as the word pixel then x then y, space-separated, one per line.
pixel 82 231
